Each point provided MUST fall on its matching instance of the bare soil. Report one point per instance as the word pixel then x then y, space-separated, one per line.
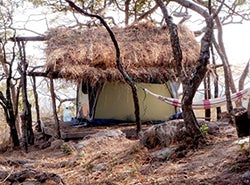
pixel 121 160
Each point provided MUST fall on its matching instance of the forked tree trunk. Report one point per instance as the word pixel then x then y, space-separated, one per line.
pixel 192 84
pixel 26 116
pixel 7 102
pixel 9 116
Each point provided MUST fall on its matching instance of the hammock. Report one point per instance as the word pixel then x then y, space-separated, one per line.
pixel 202 104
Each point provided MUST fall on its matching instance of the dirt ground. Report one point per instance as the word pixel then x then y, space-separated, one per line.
pixel 115 159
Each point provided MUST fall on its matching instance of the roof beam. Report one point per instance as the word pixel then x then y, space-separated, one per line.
pixel 29 38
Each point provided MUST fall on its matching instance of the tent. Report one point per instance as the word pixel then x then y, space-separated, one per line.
pixel 114 102
pixel 88 57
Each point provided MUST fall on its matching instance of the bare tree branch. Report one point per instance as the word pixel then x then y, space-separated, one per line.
pixel 119 65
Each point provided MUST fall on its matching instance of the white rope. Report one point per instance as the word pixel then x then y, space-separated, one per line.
pixel 202 104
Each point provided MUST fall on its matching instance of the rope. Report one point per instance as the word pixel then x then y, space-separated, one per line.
pixel 201 104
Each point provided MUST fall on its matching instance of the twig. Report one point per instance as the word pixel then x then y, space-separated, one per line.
pixel 5 179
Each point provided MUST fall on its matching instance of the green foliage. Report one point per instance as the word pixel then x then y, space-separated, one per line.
pixel 204 129
pixel 140 7
pixel 66 149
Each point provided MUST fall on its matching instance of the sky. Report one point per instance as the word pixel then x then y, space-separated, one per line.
pixel 236 37
pixel 237 41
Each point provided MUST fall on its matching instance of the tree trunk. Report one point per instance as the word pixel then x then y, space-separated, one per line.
pixel 127 2
pixel 227 71
pixel 9 116
pixel 216 84
pixel 39 129
pixel 6 102
pixel 24 131
pixel 225 60
pixel 207 93
pixel 126 77
pixel 26 115
pixel 53 99
pixel 190 85
pixel 227 85
pixel 243 77
pixel 13 133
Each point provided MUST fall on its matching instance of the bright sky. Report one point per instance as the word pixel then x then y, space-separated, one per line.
pixel 237 42
pixel 236 37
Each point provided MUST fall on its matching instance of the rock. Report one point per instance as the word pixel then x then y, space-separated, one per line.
pixel 29 165
pixel 100 167
pixel 44 145
pixel 163 154
pixel 56 144
pixel 100 137
pixel 213 128
pixel 245 178
pixel 163 135
pixel 110 133
pixel 210 165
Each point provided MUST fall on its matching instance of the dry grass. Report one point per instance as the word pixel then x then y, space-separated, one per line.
pixel 146 53
pixel 121 161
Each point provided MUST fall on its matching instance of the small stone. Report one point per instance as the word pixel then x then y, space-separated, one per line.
pixel 163 154
pixel 245 177
pixel 210 165
pixel 56 144
pixel 44 145
pixel 213 128
pixel 100 167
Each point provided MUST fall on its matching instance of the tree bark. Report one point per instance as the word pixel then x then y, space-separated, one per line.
pixel 228 72
pixel 10 118
pixel 190 85
pixel 227 85
pixel 53 100
pixel 243 77
pixel 26 116
pixel 127 2
pixel 216 84
pixel 207 93
pixel 39 129
pixel 6 102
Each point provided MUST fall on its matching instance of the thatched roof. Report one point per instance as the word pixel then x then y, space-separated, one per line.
pixel 146 53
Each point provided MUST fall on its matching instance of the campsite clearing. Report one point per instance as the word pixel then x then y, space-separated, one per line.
pixel 109 157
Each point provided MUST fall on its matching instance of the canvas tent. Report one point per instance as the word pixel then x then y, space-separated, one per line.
pixel 88 57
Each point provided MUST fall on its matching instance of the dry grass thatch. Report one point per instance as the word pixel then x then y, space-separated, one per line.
pixel 146 53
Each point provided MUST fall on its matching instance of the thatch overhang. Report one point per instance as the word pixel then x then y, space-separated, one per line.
pixel 146 53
